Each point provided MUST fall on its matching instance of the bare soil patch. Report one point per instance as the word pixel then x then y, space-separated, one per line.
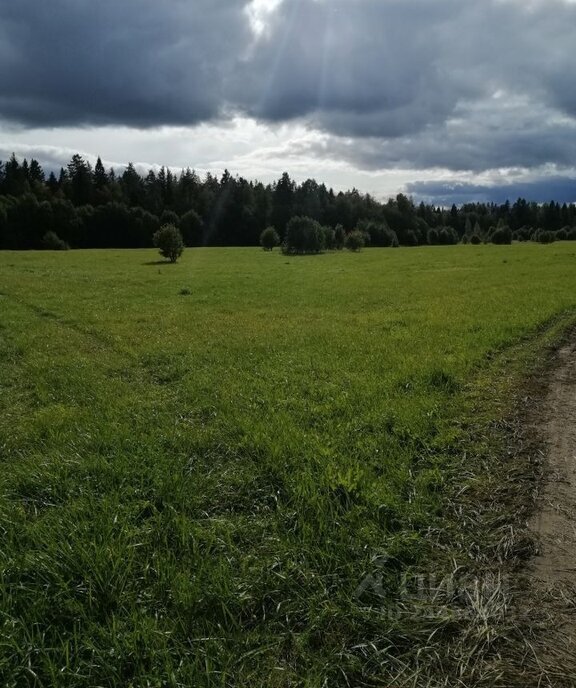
pixel 550 600
pixel 555 521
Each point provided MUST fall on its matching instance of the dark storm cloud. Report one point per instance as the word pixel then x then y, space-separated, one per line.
pixel 389 68
pixel 363 68
pixel 560 189
pixel 458 84
pixel 133 62
pixel 394 82
pixel 528 136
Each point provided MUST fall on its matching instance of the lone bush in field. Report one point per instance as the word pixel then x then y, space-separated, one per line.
pixel 502 235
pixel 355 241
pixel 169 241
pixel 269 239
pixel 304 235
pixel 52 242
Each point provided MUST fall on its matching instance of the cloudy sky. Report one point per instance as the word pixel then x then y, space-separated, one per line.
pixel 448 100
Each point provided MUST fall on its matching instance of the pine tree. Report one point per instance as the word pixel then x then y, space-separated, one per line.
pixel 132 186
pixel 35 172
pixel 80 176
pixel 283 202
pixel 100 177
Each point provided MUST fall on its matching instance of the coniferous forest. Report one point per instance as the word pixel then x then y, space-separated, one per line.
pixel 87 206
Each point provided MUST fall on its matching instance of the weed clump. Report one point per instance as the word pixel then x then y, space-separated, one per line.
pixel 442 381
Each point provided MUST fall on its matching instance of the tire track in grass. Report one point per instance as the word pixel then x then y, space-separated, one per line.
pixel 48 314
pixel 148 369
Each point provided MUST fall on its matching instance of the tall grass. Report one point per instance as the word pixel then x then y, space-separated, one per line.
pixel 202 462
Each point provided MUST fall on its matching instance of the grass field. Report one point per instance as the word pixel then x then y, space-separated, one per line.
pixel 201 462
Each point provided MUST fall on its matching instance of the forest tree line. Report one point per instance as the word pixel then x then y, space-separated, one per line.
pixel 87 206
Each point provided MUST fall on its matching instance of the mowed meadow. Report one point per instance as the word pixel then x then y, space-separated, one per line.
pixel 202 462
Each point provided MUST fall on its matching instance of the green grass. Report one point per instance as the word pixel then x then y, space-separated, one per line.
pixel 202 461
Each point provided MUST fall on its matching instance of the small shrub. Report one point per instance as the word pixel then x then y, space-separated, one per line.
pixel 355 241
pixel 377 234
pixel 523 234
pixel 339 237
pixel 269 239
pixel 191 228
pixel 185 292
pixel 561 235
pixel 169 217
pixel 52 242
pixel 303 235
pixel 475 239
pixel 169 242
pixel 501 235
pixel 411 238
pixel 544 237
pixel 448 236
pixel 432 237
pixel 329 238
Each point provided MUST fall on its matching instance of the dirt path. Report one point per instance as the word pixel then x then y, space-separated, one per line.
pixel 552 573
pixel 555 523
